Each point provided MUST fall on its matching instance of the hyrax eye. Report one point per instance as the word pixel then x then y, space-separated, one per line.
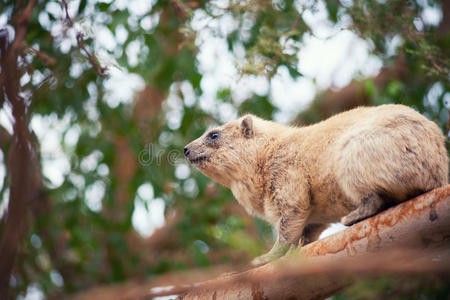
pixel 213 135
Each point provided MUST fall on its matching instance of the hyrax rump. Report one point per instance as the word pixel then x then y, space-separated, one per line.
pixel 347 168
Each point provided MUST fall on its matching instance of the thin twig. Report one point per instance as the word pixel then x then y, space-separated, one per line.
pixel 47 59
pixel 429 56
pixel 101 70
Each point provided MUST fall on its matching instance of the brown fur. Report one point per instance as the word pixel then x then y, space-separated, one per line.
pixel 346 168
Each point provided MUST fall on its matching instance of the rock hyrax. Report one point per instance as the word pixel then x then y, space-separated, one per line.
pixel 347 168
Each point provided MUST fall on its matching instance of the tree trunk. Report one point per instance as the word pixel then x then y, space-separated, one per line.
pixel 22 164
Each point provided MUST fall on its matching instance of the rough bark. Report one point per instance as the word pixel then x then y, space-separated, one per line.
pixel 406 239
pixel 22 163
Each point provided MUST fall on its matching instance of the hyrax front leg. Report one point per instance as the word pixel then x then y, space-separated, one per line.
pixel 370 206
pixel 288 204
pixel 289 228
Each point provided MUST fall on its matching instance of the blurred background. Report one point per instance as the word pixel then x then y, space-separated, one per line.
pixel 100 97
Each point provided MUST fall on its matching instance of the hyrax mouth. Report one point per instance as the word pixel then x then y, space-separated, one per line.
pixel 198 160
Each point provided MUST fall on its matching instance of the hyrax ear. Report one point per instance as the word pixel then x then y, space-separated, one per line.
pixel 247 127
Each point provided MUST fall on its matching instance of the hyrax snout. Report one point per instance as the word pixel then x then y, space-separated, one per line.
pixel 346 168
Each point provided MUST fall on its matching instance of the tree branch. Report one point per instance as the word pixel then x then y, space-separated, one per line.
pixel 44 57
pixel 410 238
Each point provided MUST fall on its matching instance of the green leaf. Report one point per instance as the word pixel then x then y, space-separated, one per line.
pixel 82 6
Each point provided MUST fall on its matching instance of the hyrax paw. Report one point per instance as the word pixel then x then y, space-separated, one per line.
pixel 271 256
pixel 345 221
pixel 263 259
pixel 349 220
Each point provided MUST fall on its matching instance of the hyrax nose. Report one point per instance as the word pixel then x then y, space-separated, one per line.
pixel 186 151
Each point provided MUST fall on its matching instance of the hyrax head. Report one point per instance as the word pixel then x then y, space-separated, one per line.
pixel 221 153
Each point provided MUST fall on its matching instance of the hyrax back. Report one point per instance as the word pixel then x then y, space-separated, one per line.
pixel 392 155
pixel 350 166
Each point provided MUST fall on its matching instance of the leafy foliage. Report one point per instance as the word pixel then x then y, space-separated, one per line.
pixel 112 145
